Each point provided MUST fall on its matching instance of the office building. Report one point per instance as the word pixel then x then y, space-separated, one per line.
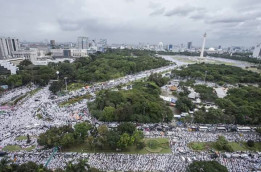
pixel 170 47
pixel 7 46
pixel 76 53
pixel 83 43
pixel 160 46
pixel 52 44
pixel 257 51
pixel 189 45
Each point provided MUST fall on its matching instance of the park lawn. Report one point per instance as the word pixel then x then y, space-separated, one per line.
pixel 75 99
pixel 236 146
pixel 13 148
pixel 129 150
pixel 30 148
pixel 33 92
pixel 75 86
pixel 21 138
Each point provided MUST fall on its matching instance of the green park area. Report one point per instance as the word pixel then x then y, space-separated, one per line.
pixel 155 145
pixel 95 68
pixel 75 86
pixel 13 148
pixel 236 146
pixel 140 104
pixel 21 138
pixel 85 137
pixel 75 99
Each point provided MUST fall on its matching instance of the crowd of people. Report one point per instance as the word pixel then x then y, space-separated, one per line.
pixel 39 112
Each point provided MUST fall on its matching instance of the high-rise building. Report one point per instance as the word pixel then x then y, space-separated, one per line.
pixel 83 43
pixel 102 44
pixel 160 46
pixel 219 47
pixel 170 47
pixel 7 46
pixel 189 45
pixel 52 44
pixel 257 51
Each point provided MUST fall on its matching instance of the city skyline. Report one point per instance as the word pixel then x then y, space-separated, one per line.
pixel 131 21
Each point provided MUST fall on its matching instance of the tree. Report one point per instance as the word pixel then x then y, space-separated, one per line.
pixel 31 166
pixel 67 70
pixel 108 113
pixel 81 166
pixel 250 143
pixel 124 141
pixel 140 145
pixel 206 166
pixel 67 140
pixel 56 86
pixel 91 142
pixel 258 130
pixel 184 104
pixel 221 142
pixel 158 79
pixel 14 81
pixel 126 127
pixel 25 62
pixel 102 136
pixel 81 130
pixel 113 139
pixel 4 165
pixel 138 136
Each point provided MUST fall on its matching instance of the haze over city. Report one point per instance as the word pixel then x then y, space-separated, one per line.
pixel 228 23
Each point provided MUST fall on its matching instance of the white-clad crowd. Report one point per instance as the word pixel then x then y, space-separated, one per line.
pixel 39 112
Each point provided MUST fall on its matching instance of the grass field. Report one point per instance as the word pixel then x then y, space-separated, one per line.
pixel 75 99
pixel 21 138
pixel 236 146
pixel 75 86
pixel 13 148
pixel 162 147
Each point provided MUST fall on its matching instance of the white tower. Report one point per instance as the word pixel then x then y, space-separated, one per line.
pixel 203 45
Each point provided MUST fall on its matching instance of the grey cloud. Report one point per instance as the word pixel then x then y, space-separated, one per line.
pixel 183 11
pixel 133 20
pixel 158 11
pixel 69 25
pixel 154 5
pixel 227 20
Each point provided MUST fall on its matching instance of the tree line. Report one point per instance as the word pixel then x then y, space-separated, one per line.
pixel 95 68
pixel 7 165
pixel 217 73
pixel 94 138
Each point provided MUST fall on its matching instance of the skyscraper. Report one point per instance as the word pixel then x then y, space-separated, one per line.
pixel 203 45
pixel 83 42
pixel 52 44
pixel 170 47
pixel 7 46
pixel 160 46
pixel 189 45
pixel 257 51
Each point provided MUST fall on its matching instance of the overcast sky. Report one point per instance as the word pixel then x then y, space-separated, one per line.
pixel 227 22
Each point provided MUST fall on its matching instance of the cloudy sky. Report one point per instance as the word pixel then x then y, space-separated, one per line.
pixel 227 22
